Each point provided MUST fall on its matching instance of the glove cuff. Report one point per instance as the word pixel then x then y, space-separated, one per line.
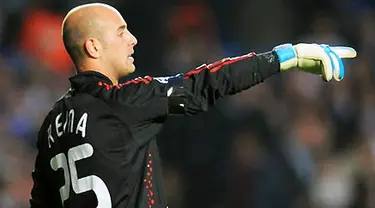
pixel 287 56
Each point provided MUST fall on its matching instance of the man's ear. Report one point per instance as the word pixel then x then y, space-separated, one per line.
pixel 93 48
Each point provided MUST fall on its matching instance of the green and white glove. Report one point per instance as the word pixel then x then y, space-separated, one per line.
pixel 314 58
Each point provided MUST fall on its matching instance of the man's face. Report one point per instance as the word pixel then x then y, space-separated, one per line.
pixel 118 44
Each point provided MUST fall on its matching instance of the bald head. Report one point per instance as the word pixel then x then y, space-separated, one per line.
pixel 81 23
pixel 97 38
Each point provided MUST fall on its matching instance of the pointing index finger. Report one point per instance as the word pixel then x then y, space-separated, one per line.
pixel 344 52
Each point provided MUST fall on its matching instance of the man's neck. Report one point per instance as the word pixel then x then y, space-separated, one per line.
pixel 110 76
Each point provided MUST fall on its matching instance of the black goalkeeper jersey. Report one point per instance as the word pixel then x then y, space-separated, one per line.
pixel 97 146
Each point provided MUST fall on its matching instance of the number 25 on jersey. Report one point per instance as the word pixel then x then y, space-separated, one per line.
pixel 84 184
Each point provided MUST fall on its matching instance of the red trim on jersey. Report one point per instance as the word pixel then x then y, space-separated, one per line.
pixel 148 182
pixel 146 80
pixel 196 71
pixel 216 66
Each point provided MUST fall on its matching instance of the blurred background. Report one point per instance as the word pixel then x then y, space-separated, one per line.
pixel 291 142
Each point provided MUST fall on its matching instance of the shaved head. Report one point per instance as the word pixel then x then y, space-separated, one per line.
pixel 81 23
pixel 97 38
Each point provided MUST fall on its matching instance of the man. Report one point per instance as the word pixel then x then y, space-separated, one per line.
pixel 97 145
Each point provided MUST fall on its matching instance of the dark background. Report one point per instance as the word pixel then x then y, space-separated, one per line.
pixel 291 142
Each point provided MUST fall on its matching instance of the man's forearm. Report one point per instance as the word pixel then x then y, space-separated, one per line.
pixel 209 83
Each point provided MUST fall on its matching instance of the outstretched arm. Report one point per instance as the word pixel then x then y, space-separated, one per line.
pixel 202 87
pixel 199 89
pixel 207 84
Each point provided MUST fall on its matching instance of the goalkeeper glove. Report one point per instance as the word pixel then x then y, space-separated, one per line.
pixel 314 58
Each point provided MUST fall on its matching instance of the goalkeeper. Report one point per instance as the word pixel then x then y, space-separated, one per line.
pixel 97 146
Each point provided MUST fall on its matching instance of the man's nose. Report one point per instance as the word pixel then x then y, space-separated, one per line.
pixel 133 40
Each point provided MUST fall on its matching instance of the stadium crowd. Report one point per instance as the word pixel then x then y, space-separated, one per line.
pixel 293 141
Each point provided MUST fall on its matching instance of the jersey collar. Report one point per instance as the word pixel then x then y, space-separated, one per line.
pixel 82 79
